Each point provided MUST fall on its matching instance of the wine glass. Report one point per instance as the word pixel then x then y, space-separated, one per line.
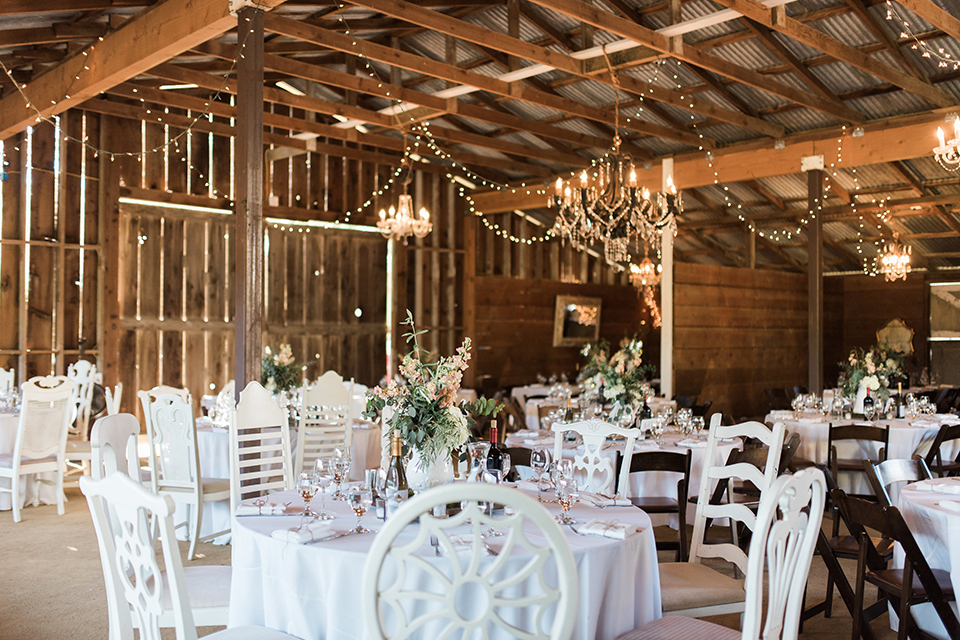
pixel 567 495
pixel 697 423
pixel 561 469
pixel 323 470
pixel 869 411
pixel 307 488
pixel 360 499
pixel 539 462
pixel 507 464
pixel 658 426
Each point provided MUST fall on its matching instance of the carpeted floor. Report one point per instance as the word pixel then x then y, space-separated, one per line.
pixel 51 583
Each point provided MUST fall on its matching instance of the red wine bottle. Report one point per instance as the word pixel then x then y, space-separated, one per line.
pixel 495 457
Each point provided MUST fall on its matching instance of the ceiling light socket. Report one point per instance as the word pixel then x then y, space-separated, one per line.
pixel 858 132
pixel 810 163
pixel 780 145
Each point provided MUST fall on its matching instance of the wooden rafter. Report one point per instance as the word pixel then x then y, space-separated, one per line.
pixel 792 61
pixel 153 36
pixel 14 7
pixel 933 14
pixel 59 32
pixel 863 12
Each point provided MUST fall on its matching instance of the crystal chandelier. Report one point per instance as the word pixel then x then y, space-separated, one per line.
pixel 645 277
pixel 401 223
pixel 894 260
pixel 948 153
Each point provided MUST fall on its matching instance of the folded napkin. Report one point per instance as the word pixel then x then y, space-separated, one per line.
pixel 692 443
pixel 463 546
pixel 597 500
pixel 939 485
pixel 607 529
pixel 950 505
pixel 929 424
pixel 264 507
pixel 307 532
pixel 526 485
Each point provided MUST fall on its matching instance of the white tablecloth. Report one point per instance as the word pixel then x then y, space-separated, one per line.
pixel 650 483
pixel 937 532
pixel 907 437
pixel 214 449
pixel 532 408
pixel 312 591
pixel 8 440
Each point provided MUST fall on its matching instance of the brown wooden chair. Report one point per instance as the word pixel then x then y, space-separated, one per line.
pixel 934 457
pixel 519 456
pixel 915 583
pixel 778 399
pixel 669 462
pixel 855 433
pixel 883 475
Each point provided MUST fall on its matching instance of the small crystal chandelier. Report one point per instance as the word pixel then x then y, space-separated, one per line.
pixel 894 260
pixel 401 223
pixel 948 153
pixel 645 277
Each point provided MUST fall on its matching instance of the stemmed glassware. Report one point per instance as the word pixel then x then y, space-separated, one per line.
pixel 307 488
pixel 323 470
pixel 507 464
pixel 360 499
pixel 341 467
pixel 540 462
pixel 561 469
pixel 697 422
pixel 567 495
pixel 658 426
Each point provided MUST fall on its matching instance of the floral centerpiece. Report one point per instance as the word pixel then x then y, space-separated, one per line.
pixel 278 373
pixel 874 369
pixel 619 377
pixel 423 406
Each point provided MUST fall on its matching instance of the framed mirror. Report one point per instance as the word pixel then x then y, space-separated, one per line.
pixel 576 321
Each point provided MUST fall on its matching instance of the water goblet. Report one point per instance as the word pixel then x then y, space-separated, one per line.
pixel 539 462
pixel 567 495
pixel 658 426
pixel 307 488
pixel 339 475
pixel 323 470
pixel 561 469
pixel 507 465
pixel 697 423
pixel 360 499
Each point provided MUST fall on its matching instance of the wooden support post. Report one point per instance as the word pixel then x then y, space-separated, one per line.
pixel 108 196
pixel 666 299
pixel 751 241
pixel 249 231
pixel 815 281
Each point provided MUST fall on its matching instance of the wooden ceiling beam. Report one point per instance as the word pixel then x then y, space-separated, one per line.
pixel 14 7
pixel 908 176
pixel 696 56
pixel 793 62
pixel 153 36
pixel 881 34
pixel 777 20
pixel 420 64
pixel 933 14
pixel 58 32
pixel 515 47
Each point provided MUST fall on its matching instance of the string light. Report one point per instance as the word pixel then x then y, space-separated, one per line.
pixel 943 58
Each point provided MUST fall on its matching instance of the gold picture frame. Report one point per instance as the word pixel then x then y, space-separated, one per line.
pixel 576 320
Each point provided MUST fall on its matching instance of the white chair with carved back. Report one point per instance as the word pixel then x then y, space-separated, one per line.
pixel 113 397
pixel 260 460
pixel 41 438
pixel 113 443
pixel 529 590
pixel 174 460
pixel 143 597
pixel 600 475
pixel 83 374
pixel 326 420
pixel 788 523
pixel 692 588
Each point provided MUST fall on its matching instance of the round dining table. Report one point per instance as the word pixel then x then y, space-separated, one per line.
pixel 931 510
pixel 312 590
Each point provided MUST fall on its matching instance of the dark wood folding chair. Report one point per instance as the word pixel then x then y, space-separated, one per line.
pixel 684 402
pixel 703 410
pixel 519 456
pixel 778 399
pixel 858 433
pixel 934 457
pixel 670 462
pixel 916 583
pixel 883 475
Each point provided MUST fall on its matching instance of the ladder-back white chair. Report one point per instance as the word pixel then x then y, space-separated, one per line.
pixel 144 597
pixel 41 438
pixel 533 595
pixel 113 444
pixel 113 397
pixel 788 523
pixel 692 588
pixel 599 472
pixel 174 460
pixel 260 460
pixel 83 374
pixel 326 420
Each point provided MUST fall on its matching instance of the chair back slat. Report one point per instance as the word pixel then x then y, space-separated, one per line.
pixel 172 436
pixel 44 417
pixel 598 469
pixel 326 420
pixel 260 459
pixel 934 457
pixel 883 475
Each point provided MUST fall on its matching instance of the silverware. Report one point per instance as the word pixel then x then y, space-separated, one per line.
pixel 334 536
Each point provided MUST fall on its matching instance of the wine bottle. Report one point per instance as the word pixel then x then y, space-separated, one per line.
pixel 901 406
pixel 396 482
pixel 645 412
pixel 868 404
pixel 568 414
pixel 495 457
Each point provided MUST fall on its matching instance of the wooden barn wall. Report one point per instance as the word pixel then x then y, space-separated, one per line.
pixel 737 332
pixel 50 247
pixel 514 328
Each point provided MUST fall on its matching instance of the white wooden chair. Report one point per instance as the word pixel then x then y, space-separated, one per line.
pixel 83 374
pixel 143 596
pixel 7 380
pixel 260 459
pixel 400 588
pixel 788 523
pixel 174 460
pixel 113 398
pixel 601 476
pixel 41 438
pixel 113 444
pixel 692 588
pixel 326 420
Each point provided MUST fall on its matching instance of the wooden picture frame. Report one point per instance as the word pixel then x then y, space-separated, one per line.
pixel 576 321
